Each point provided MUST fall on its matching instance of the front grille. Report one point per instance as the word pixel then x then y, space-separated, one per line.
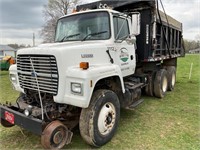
pixel 38 72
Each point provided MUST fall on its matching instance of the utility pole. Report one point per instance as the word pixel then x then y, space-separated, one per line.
pixel 33 39
pixel 66 7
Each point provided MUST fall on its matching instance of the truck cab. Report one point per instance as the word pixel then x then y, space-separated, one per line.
pixel 108 26
pixel 103 39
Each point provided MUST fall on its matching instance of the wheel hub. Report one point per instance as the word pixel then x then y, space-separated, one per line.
pixel 58 137
pixel 173 79
pixel 106 118
pixel 109 119
pixel 55 135
pixel 164 85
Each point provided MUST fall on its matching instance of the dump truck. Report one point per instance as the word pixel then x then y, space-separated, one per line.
pixel 105 56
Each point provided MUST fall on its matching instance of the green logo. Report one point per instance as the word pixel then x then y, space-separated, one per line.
pixel 124 56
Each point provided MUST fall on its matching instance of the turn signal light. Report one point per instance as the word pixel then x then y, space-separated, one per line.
pixel 74 11
pixel 84 65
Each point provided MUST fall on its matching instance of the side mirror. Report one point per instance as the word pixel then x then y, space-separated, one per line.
pixel 131 40
pixel 136 21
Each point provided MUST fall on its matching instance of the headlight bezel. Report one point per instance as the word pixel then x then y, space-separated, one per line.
pixel 77 88
pixel 13 78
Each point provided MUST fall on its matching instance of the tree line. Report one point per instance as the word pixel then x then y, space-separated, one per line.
pixel 191 44
pixel 18 46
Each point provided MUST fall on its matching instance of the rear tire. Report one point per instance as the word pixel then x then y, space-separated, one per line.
pixel 98 122
pixel 171 77
pixel 149 89
pixel 160 83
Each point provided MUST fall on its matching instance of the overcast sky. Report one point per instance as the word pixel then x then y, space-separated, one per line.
pixel 19 19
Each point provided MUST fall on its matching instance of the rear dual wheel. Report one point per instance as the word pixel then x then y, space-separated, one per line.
pixel 171 76
pixel 157 84
pixel 160 83
pixel 149 90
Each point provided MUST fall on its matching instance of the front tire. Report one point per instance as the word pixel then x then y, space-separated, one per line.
pixel 98 122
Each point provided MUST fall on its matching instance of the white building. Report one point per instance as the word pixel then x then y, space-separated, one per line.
pixel 195 51
pixel 6 50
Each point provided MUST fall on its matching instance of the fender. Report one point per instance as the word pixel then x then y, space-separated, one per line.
pixel 88 79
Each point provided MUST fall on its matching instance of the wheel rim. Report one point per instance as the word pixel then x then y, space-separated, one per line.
pixel 173 79
pixel 54 136
pixel 164 85
pixel 58 137
pixel 107 118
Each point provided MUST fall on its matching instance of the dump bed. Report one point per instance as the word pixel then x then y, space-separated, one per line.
pixel 161 35
pixel 119 5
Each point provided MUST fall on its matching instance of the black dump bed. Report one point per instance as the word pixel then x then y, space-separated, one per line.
pixel 119 5
pixel 161 35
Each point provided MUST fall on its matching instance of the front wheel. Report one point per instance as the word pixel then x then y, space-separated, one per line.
pixel 55 135
pixel 99 121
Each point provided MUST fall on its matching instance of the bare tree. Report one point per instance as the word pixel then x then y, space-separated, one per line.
pixel 191 45
pixel 52 12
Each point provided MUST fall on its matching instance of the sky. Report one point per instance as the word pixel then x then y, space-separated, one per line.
pixel 19 19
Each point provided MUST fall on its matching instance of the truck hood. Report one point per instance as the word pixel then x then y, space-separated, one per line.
pixel 65 46
pixel 72 53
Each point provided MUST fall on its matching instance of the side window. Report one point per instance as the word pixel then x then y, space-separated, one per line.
pixel 121 28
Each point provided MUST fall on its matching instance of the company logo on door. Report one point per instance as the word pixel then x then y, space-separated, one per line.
pixel 124 56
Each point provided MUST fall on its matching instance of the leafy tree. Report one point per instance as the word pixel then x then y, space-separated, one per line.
pixel 52 12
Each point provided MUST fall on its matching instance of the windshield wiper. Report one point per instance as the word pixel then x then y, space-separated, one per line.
pixel 93 34
pixel 69 36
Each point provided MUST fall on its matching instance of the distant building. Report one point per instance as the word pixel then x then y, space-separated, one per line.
pixel 195 51
pixel 6 50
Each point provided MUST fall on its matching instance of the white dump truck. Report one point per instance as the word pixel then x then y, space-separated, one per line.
pixel 105 56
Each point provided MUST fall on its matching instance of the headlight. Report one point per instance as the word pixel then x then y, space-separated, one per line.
pixel 13 78
pixel 28 111
pixel 76 88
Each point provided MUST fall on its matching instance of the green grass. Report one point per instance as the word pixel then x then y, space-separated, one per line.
pixel 172 123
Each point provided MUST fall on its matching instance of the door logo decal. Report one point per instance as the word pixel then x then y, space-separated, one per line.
pixel 124 56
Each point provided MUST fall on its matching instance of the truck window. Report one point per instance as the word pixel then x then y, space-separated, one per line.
pixel 121 28
pixel 76 27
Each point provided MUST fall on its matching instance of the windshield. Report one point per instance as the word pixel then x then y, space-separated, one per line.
pixel 82 27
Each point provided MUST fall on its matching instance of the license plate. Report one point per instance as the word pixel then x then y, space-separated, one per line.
pixel 9 117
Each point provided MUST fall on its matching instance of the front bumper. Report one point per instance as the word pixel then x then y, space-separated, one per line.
pixel 29 123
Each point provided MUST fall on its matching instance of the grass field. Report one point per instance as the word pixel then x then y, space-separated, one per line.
pixel 172 123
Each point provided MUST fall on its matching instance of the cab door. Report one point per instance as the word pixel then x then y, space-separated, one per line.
pixel 125 51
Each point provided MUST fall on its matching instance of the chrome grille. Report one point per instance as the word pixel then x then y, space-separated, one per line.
pixel 40 67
